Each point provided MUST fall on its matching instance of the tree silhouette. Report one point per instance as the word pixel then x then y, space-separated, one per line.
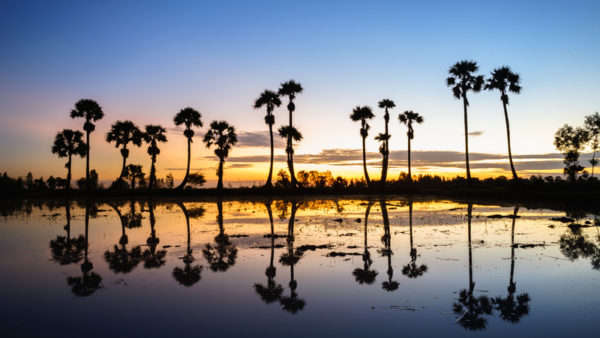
pixel 153 258
pixel 384 138
pixel 290 89
pixel 66 144
pixel 273 290
pixel 190 118
pixel 363 114
pixel 366 275
pixel 91 111
pixel 504 80
pixel 90 281
pixel 468 307
pixel 153 135
pixel 570 141
pixel 223 136
pixel 412 270
pixel 389 285
pixel 407 118
pixel 122 133
pixel 270 100
pixel 121 260
pixel 291 303
pixel 592 125
pixel 66 250
pixel 133 172
pixel 462 80
pixel 189 274
pixel 223 255
pixel 510 309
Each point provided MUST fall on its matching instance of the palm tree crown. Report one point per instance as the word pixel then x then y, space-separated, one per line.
pixel 90 110
pixel 190 118
pixel 290 89
pixel 386 104
pixel 69 142
pixel 153 135
pixel 462 79
pixel 362 114
pixel 122 133
pixel 503 79
pixel 223 136
pixel 407 118
pixel 270 99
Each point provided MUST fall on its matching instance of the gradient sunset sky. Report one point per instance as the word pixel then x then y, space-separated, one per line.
pixel 146 60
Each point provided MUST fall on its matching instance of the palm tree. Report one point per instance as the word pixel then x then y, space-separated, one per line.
pixel 412 270
pixel 462 79
pixel 408 117
pixel 91 111
pixel 223 136
pixel 67 250
pixel 190 118
pixel 153 258
pixel 592 124
pixel 189 275
pixel 366 275
pixel 271 100
pixel 362 114
pixel 273 290
pixel 153 135
pixel 123 132
pixel 389 285
pixel 504 80
pixel 290 89
pixel 66 144
pixel 121 260
pixel 384 138
pixel 223 255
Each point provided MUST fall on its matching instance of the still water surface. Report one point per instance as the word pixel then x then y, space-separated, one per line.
pixel 298 268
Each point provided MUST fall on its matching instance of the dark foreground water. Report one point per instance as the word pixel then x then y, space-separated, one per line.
pixel 320 268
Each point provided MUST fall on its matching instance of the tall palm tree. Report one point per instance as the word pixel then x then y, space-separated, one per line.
pixel 366 275
pixel 363 114
pixel 384 138
pixel 270 99
pixel 190 118
pixel 153 135
pixel 123 132
pixel 223 254
pixel 412 270
pixel 66 144
pixel 462 79
pixel 153 258
pixel 223 136
pixel 273 290
pixel 408 117
pixel 504 80
pixel 389 285
pixel 189 275
pixel 121 260
pixel 290 89
pixel 91 111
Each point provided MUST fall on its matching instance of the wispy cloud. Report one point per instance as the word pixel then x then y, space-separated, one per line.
pixel 476 133
pixel 258 139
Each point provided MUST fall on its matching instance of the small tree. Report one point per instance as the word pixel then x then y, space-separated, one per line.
pixel 196 179
pixel 570 141
pixel 592 125
pixel 133 172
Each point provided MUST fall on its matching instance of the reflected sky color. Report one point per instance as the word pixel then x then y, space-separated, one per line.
pixel 146 60
pixel 555 266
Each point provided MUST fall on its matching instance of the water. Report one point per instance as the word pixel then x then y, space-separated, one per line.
pixel 203 267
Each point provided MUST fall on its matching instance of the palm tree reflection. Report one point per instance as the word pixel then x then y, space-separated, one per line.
pixel 221 256
pixel 366 275
pixel 67 250
pixel 153 258
pixel 291 303
pixel 389 285
pixel 412 270
pixel 90 281
pixel 468 307
pixel 189 274
pixel 511 310
pixel 272 291
pixel 121 260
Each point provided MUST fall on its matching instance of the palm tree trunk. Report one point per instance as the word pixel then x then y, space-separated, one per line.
pixel 386 152
pixel 187 171
pixel 220 174
pixel 409 168
pixel 270 212
pixel 365 162
pixel 122 168
pixel 291 153
pixel 366 222
pixel 410 214
pixel 68 217
pixel 269 183
pixel 512 249
pixel 512 166
pixel 471 283
pixel 593 161
pixel 152 173
pixel 466 139
pixel 68 186
pixel 87 161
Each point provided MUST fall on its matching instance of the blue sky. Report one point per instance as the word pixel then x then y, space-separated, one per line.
pixel 146 60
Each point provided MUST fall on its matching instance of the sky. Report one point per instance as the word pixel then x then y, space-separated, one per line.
pixel 146 60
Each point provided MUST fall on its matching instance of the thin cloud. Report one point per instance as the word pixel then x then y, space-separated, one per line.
pixel 476 133
pixel 258 139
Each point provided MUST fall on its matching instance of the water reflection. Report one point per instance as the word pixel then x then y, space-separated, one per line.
pixel 366 275
pixel 189 274
pixel 223 254
pixel 153 258
pixel 291 303
pixel 120 259
pixel 412 270
pixel 67 250
pixel 389 285
pixel 272 291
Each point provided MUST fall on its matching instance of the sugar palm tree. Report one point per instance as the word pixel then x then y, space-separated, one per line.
pixel 223 254
pixel 462 79
pixel 273 290
pixel 66 144
pixel 389 285
pixel 189 275
pixel 366 275
pixel 91 111
pixel 122 133
pixel 190 118
pixel 223 136
pixel 384 138
pixel 504 80
pixel 153 258
pixel 122 260
pixel 363 114
pixel 270 100
pixel 153 135
pixel 290 89
pixel 412 270
pixel 407 118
